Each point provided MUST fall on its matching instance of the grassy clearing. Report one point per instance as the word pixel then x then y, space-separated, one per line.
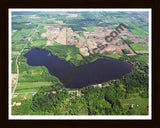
pixel 18 35
pixel 56 43
pixel 139 46
pixel 19 19
pixel 141 109
pixel 12 87
pixel 79 57
pixel 143 58
pixel 90 29
pixel 20 97
pixel 115 56
pixel 81 34
pixel 30 86
pixel 68 56
pixel 17 46
pixel 139 32
pixel 39 43
pixel 14 67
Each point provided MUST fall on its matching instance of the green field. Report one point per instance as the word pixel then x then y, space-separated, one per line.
pixel 19 35
pixel 81 34
pixel 90 29
pixel 115 56
pixel 18 45
pixel 139 46
pixel 30 86
pixel 140 30
pixel 140 106
pixel 39 43
pixel 143 58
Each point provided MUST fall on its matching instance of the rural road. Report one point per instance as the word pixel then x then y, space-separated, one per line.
pixel 29 40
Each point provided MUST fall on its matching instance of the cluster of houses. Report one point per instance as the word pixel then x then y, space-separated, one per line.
pixel 16 104
pixel 132 105
pixel 98 85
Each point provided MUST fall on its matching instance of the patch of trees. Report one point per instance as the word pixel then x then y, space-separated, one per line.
pixel 48 102
pixel 126 41
pixel 94 101
pixel 125 51
pixel 62 51
pixel 137 80
pixel 24 109
pixel 25 12
pixel 21 26
pixel 77 24
pixel 104 101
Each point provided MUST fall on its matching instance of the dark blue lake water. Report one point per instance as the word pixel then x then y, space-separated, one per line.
pixel 87 21
pixel 17 23
pixel 99 71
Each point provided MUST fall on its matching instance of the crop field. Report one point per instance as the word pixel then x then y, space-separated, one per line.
pixel 90 29
pixel 20 34
pixel 18 45
pixel 39 43
pixel 139 46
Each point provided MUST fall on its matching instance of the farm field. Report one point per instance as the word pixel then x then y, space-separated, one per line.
pixel 28 87
pixel 139 46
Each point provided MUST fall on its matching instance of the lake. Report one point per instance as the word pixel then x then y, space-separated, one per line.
pixel 99 71
pixel 19 23
pixel 87 21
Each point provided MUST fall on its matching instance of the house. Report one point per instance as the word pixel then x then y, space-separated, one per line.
pixel 18 104
pixel 12 104
pixel 25 98
pixel 34 93
pixel 100 85
pixel 15 95
pixel 132 105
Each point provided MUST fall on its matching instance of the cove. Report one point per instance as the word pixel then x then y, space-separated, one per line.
pixel 99 71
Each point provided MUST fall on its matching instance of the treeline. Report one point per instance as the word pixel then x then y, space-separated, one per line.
pixel 125 51
pixel 25 12
pixel 21 26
